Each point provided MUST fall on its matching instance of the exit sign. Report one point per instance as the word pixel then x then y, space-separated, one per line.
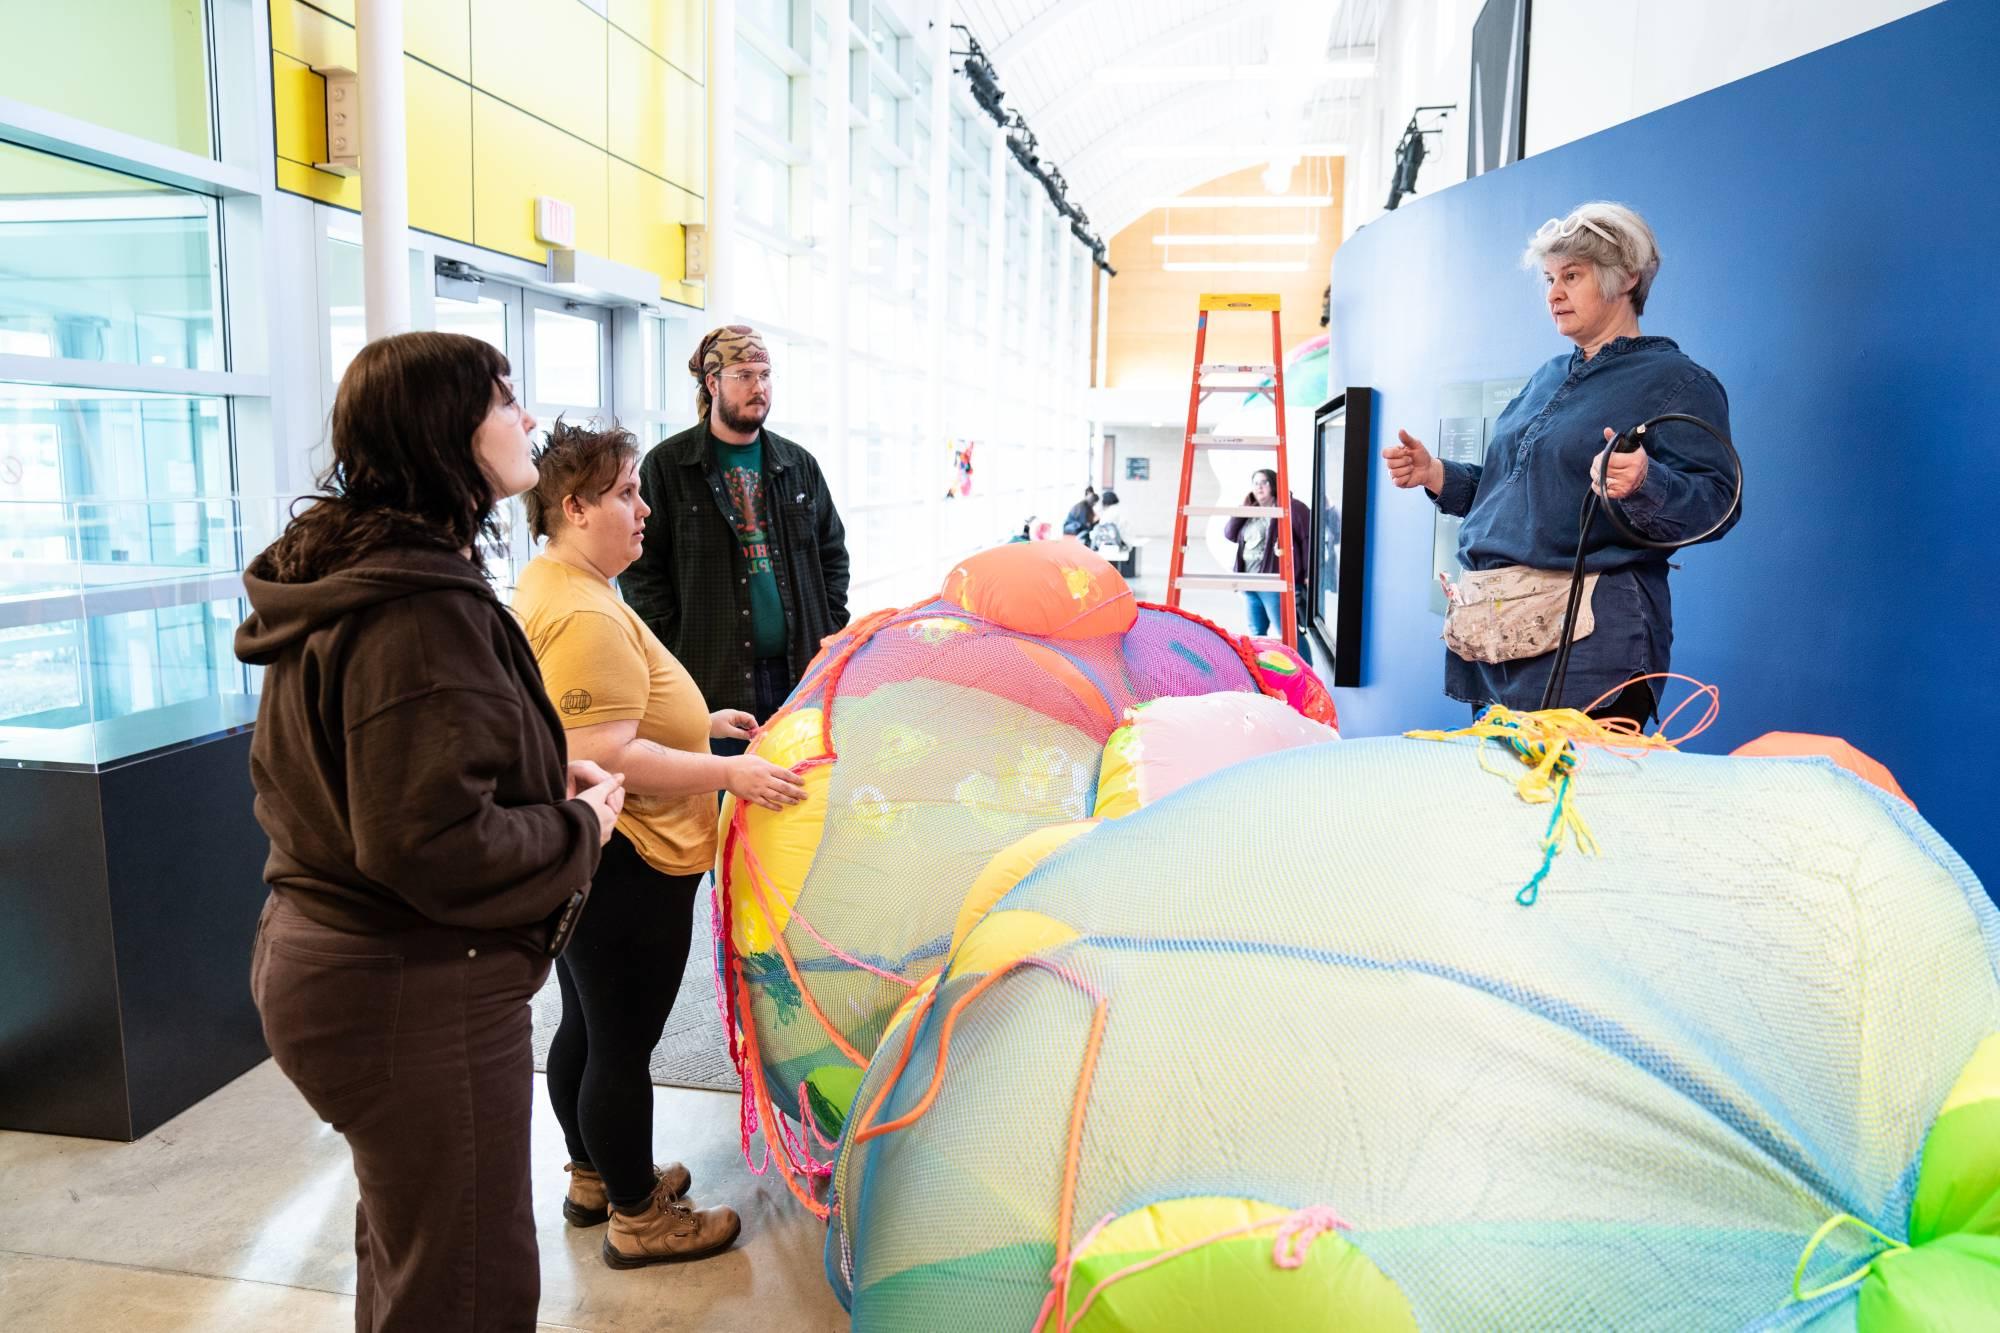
pixel 555 222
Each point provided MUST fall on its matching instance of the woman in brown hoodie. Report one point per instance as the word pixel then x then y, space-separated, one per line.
pixel 431 845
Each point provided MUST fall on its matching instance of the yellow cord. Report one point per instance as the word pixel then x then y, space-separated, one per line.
pixel 1546 741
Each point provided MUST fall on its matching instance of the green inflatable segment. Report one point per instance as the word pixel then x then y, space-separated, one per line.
pixel 1950 1283
pixel 1958 1186
pixel 831 1089
pixel 912 1300
pixel 1236 1284
pixel 1949 1276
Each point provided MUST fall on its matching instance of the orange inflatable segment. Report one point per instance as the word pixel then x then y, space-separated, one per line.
pixel 1055 590
pixel 1792 744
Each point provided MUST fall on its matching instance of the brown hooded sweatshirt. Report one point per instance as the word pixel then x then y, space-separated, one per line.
pixel 407 764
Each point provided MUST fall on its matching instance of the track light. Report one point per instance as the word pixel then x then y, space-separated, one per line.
pixel 985 84
pixel 1410 153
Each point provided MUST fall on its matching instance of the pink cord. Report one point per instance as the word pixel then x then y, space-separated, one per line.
pixel 1296 1232
pixel 760 881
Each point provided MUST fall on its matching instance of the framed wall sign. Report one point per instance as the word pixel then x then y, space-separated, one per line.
pixel 1337 549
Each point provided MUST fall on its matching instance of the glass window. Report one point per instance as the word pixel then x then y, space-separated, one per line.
pixel 114 443
pixel 763 276
pixel 763 188
pixel 105 267
pixel 765 97
pixel 136 66
pixel 484 319
pixel 772 17
pixel 882 111
pixel 347 310
pixel 566 359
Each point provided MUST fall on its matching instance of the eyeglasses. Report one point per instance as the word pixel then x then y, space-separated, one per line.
pixel 1561 229
pixel 762 377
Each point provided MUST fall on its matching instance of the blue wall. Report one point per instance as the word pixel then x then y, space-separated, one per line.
pixel 1829 231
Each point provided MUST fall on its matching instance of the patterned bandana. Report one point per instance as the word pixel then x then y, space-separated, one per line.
pixel 730 345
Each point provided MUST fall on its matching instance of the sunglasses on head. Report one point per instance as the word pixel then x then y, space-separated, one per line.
pixel 1561 229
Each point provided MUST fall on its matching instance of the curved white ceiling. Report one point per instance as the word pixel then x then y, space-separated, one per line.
pixel 1047 54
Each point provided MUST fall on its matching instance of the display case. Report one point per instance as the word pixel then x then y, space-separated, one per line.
pixel 132 873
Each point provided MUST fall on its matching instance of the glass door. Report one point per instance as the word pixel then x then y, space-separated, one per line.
pixel 561 355
pixel 568 371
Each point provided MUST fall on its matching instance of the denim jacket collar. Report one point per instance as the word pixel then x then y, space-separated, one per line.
pixel 1617 347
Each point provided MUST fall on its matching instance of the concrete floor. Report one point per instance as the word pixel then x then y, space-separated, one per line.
pixel 239 1215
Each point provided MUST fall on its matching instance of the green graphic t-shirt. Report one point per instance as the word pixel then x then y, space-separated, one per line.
pixel 743 477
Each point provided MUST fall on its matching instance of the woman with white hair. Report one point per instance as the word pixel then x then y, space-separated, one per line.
pixel 1522 505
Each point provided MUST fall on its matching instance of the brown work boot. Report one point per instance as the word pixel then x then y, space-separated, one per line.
pixel 667 1231
pixel 589 1206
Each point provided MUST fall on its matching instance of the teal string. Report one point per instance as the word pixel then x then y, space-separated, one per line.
pixel 1532 890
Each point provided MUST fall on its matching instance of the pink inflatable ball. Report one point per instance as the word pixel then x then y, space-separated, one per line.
pixel 1279 667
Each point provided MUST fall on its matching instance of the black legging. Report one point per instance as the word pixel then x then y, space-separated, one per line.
pixel 619 977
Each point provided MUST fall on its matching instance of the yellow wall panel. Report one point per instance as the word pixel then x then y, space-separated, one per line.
pixel 546 57
pixel 488 83
pixel 687 134
pixel 675 29
pixel 646 223
pixel 439 112
pixel 298 98
pixel 310 36
pixel 515 158
pixel 300 179
pixel 137 66
pixel 439 32
pixel 659 116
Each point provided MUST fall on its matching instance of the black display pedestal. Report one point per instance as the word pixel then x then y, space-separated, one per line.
pixel 129 897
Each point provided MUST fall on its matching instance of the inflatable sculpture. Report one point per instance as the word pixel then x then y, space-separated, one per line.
pixel 1310 1064
pixel 930 740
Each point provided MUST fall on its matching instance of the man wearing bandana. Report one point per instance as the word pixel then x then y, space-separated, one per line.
pixel 744 568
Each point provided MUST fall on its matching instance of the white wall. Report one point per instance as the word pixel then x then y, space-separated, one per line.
pixel 1595 63
pixel 1592 64
pixel 1423 57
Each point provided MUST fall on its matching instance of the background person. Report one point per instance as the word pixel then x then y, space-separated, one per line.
pixel 1521 506
pixel 1082 514
pixel 630 707
pixel 745 564
pixel 1257 553
pixel 428 838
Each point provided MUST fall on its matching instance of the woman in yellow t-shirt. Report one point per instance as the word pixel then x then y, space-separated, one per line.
pixel 626 704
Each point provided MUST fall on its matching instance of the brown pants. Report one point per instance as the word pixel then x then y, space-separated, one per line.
pixel 416 1047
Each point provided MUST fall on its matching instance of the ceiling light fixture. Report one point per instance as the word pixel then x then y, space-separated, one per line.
pixel 1237 266
pixel 1317 73
pixel 1262 152
pixel 1246 201
pixel 1236 238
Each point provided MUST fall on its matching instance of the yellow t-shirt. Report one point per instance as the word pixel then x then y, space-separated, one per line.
pixel 601 664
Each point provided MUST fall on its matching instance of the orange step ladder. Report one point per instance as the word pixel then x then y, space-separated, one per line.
pixel 1229 377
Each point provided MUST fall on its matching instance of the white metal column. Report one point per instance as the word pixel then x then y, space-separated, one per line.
pixel 385 182
pixel 718 292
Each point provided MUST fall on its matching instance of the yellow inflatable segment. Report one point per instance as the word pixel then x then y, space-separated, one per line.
pixel 783 841
pixel 1118 779
pixel 1981 1080
pixel 1005 937
pixel 1008 868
